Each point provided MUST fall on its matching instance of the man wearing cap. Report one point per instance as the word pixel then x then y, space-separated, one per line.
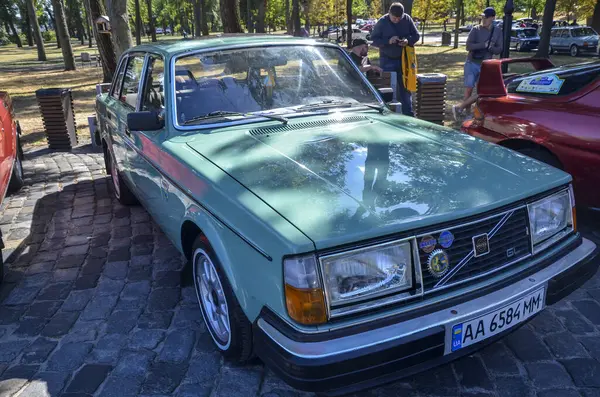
pixel 359 52
pixel 483 43
pixel 391 33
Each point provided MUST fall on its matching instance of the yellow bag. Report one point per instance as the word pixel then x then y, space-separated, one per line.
pixel 409 68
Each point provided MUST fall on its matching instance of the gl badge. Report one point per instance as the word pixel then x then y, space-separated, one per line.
pixel 438 263
pixel 481 245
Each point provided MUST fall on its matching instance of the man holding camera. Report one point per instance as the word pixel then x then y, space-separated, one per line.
pixel 483 43
pixel 391 33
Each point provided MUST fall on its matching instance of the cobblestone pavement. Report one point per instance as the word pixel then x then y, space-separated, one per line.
pixel 97 304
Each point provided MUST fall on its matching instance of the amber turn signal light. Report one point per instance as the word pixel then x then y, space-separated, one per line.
pixel 306 305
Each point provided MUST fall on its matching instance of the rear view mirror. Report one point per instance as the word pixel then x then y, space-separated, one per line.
pixel 145 121
pixel 387 94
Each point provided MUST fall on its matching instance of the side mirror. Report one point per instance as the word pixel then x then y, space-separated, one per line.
pixel 145 121
pixel 387 94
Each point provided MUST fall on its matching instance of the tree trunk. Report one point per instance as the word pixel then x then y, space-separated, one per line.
pixel 203 17
pixel 53 19
pixel 544 47
pixel 151 21
pixel 262 9
pixel 62 34
pixel 36 30
pixel 88 22
pixel 349 19
pixel 288 19
pixel 249 26
pixel 457 22
pixel 596 17
pixel 230 15
pixel 119 24
pixel 197 18
pixel 9 19
pixel 138 23
pixel 105 44
pixel 296 17
pixel 408 5
pixel 462 12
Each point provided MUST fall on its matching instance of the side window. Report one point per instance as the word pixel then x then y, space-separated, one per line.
pixel 116 88
pixel 565 33
pixel 131 81
pixel 154 87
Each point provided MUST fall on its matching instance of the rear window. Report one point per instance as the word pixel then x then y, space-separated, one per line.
pixel 582 32
pixel 559 81
pixel 527 33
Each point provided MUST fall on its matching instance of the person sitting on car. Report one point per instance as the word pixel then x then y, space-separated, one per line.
pixel 359 52
pixel 484 41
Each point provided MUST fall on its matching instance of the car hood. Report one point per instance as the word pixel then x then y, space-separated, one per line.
pixel 341 179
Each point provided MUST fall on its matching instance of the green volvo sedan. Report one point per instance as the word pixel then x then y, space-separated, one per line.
pixel 342 243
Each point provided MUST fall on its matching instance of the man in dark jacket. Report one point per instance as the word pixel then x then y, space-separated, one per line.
pixel 392 32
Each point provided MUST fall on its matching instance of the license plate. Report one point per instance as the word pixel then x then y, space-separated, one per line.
pixel 480 328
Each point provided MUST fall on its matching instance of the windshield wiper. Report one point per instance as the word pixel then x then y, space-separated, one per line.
pixel 328 104
pixel 223 113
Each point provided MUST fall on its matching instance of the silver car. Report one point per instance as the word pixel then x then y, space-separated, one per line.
pixel 574 39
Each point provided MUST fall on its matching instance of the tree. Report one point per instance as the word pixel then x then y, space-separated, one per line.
pixel 230 15
pixel 62 34
pixel 596 17
pixel 296 17
pixel 408 5
pixel 544 47
pixel 119 24
pixel 151 20
pixel 39 41
pixel 459 8
pixel 375 9
pixel 349 23
pixel 203 17
pixel 105 45
pixel 6 13
pixel 262 10
pixel 138 23
pixel 88 21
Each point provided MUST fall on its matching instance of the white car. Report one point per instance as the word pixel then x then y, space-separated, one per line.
pixel 159 30
pixel 168 31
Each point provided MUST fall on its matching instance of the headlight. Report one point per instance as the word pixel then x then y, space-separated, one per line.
pixel 367 272
pixel 551 218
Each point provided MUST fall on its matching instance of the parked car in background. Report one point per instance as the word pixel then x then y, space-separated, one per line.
pixel 465 28
pixel 524 39
pixel 342 243
pixel 159 31
pixel 551 114
pixel 168 30
pixel 11 156
pixel 574 39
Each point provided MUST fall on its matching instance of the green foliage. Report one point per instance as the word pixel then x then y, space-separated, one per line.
pixel 359 8
pixel 375 9
pixel 432 10
pixel 49 35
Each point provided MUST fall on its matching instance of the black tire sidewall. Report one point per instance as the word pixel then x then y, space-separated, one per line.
pixel 240 344
pixel 543 156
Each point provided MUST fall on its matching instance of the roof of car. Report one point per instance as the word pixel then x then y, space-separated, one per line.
pixel 174 47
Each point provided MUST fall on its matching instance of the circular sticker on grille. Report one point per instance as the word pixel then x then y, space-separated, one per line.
pixel 446 239
pixel 427 244
pixel 438 263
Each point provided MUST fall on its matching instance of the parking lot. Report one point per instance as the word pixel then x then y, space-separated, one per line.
pixel 97 302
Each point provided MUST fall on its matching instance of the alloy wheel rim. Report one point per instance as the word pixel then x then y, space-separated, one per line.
pixel 574 51
pixel 211 297
pixel 115 177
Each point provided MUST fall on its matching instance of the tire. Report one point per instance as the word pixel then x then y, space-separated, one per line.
pixel 574 50
pixel 550 50
pixel 230 330
pixel 16 179
pixel 542 155
pixel 119 187
pixel 518 47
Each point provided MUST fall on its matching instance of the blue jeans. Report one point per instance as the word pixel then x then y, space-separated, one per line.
pixel 402 95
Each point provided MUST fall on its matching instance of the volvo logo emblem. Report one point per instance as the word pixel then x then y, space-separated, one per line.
pixel 481 245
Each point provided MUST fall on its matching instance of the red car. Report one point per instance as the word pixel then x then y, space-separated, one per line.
pixel 11 156
pixel 551 114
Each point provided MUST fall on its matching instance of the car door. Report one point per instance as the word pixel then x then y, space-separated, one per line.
pixel 565 37
pixel 128 102
pixel 154 189
pixel 6 146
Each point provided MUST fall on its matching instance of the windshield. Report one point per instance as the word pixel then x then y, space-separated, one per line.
pixel 260 79
pixel 582 32
pixel 527 33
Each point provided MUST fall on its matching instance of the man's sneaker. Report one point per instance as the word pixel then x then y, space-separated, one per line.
pixel 456 113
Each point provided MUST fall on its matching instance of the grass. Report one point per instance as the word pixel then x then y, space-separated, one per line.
pixel 22 75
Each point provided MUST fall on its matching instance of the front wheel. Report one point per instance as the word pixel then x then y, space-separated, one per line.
pixel 226 322
pixel 16 180
pixel 574 51
pixel 518 47
pixel 543 156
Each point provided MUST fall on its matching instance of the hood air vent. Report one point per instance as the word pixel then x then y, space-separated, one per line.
pixel 276 129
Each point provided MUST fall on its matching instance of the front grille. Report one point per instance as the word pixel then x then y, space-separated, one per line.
pixel 509 244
